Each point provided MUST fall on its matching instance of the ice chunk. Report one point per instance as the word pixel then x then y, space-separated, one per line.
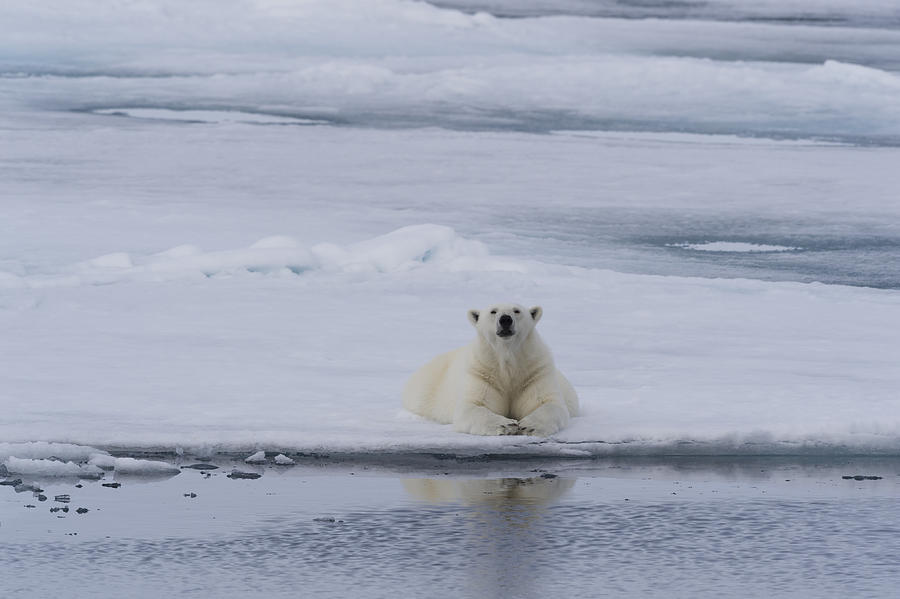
pixel 44 450
pixel 411 246
pixel 51 468
pixel 103 461
pixel 257 458
pixel 133 466
pixel 144 467
pixel 283 460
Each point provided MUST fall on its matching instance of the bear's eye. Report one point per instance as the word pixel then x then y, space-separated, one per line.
pixel 493 311
pixel 516 311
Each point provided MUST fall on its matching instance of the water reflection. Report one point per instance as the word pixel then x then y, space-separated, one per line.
pixel 503 524
pixel 706 527
pixel 498 492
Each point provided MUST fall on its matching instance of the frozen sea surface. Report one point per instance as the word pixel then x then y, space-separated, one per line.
pixel 234 228
pixel 411 64
pixel 442 528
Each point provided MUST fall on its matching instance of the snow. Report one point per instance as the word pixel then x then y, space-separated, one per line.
pixel 402 249
pixel 174 274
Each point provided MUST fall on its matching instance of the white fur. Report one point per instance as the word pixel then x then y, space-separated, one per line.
pixel 495 385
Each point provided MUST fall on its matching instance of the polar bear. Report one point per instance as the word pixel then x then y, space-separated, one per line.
pixel 502 383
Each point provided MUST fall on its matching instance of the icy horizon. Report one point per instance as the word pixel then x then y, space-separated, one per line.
pixel 411 64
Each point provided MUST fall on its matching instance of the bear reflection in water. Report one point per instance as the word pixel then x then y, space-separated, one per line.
pixel 498 493
pixel 500 523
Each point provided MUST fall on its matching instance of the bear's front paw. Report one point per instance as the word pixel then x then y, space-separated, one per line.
pixel 535 427
pixel 486 424
pixel 510 428
pixel 497 427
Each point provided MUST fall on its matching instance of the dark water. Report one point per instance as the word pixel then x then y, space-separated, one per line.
pixel 630 528
pixel 799 13
pixel 854 250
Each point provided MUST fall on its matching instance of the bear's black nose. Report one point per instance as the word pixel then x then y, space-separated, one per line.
pixel 506 321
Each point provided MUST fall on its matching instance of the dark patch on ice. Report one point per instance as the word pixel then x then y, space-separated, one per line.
pixel 191 495
pixel 29 505
pixel 249 475
pixel 202 466
pixel 112 485
pixel 12 482
pixel 861 477
pixel 203 114
pixel 82 510
pixel 548 475
pixel 62 498
pixel 41 497
pixel 547 120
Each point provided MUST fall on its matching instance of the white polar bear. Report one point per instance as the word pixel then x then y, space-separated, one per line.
pixel 503 383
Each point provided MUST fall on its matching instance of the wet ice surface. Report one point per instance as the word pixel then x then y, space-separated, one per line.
pixel 664 527
pixel 841 249
pixel 820 12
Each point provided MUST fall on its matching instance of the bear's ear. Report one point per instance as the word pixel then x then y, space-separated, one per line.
pixel 473 317
pixel 536 313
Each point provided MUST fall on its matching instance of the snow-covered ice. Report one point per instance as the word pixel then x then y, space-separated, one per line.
pixel 705 207
pixel 132 466
pixel 314 361
pixel 38 468
pixel 42 450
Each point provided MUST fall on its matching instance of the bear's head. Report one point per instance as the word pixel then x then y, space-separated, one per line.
pixel 505 323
